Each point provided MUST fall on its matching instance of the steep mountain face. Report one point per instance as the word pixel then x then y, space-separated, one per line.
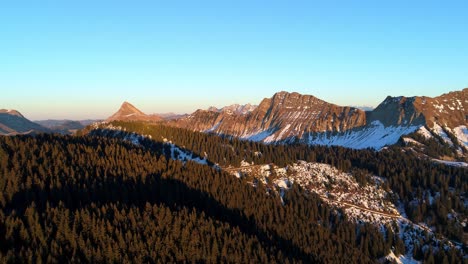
pixel 128 112
pixel 283 116
pixel 444 117
pixel 292 117
pixel 13 122
pixel 448 110
pixel 397 111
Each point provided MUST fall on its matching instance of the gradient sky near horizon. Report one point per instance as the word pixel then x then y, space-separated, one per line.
pixel 82 59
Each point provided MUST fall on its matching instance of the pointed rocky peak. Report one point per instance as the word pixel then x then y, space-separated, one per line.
pixel 128 108
pixel 129 112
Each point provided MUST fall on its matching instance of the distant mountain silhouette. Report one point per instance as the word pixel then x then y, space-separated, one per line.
pixel 13 122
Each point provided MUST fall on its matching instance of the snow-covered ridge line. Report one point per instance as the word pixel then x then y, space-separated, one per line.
pixel 118 131
pixel 136 139
pixel 184 155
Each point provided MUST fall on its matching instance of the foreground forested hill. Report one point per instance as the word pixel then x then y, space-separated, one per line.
pixel 413 179
pixel 88 199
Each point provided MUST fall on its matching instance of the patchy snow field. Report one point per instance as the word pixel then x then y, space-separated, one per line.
pixel 375 136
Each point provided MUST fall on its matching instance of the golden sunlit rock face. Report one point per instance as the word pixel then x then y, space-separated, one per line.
pixel 283 115
pixel 293 115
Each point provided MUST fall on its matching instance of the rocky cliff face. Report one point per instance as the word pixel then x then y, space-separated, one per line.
pixel 290 117
pixel 293 117
pixel 279 117
pixel 448 110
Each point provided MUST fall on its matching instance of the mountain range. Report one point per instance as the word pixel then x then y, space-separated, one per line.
pixel 399 204
pixel 295 118
pixel 292 117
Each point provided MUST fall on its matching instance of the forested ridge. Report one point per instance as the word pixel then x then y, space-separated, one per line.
pixel 413 179
pixel 98 198
pixel 88 199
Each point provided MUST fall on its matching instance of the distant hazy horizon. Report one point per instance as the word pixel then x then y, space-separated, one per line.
pixel 81 60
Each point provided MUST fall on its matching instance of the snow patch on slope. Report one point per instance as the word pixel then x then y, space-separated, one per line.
pixel 404 259
pixel 375 136
pixel 440 131
pixel 401 259
pixel 214 127
pixel 452 163
pixel 412 141
pixel 461 133
pixel 424 132
pixel 184 155
pixel 258 136
pixel 119 132
pixel 283 183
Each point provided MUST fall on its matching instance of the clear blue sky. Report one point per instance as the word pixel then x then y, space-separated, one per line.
pixel 82 59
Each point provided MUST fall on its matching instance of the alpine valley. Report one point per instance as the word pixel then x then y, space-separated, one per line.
pixel 294 179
